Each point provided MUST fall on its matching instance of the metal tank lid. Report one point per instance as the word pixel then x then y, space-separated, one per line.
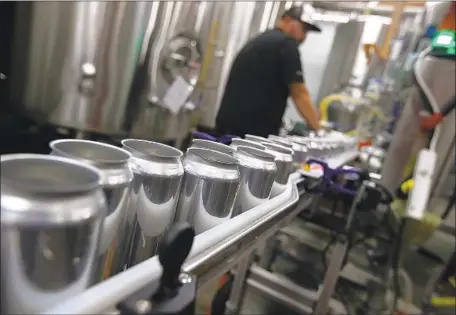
pixel 40 179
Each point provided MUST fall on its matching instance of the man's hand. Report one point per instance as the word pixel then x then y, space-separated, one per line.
pixel 304 105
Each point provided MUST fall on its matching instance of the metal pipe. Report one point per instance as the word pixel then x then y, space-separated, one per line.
pixel 234 303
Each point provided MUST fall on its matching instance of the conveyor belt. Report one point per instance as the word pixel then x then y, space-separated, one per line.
pixel 214 252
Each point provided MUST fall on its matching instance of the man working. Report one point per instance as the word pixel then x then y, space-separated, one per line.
pixel 265 72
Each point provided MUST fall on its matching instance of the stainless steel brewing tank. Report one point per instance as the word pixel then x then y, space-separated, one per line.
pixel 52 209
pixel 73 62
pixel 210 186
pixel 116 179
pixel 179 34
pixel 157 179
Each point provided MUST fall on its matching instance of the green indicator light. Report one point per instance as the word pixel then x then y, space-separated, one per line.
pixel 444 42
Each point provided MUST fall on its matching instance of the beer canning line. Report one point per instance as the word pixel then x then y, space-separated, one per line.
pixel 235 197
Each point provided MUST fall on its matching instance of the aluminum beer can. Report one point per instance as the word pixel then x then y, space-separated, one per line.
pixel 258 171
pixel 246 143
pixel 214 146
pixel 158 173
pixel 116 179
pixel 211 183
pixel 52 210
pixel 256 138
pixel 281 140
pixel 284 163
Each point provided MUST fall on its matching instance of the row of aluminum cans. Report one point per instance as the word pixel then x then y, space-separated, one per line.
pixel 90 210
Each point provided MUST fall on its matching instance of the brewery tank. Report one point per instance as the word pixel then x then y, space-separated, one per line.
pixel 70 70
pixel 183 47
pixel 73 62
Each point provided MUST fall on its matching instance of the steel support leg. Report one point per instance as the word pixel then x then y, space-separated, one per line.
pixel 267 253
pixel 331 277
pixel 234 303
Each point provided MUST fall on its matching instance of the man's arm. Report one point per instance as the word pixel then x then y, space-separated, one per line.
pixel 293 77
pixel 301 98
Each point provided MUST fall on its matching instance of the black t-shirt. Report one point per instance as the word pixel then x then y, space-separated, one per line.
pixel 258 86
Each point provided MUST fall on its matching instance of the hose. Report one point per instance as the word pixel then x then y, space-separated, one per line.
pixel 325 102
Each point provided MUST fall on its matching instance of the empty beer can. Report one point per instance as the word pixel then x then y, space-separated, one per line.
pixel 256 138
pixel 284 163
pixel 280 140
pixel 246 143
pixel 214 146
pixel 301 151
pixel 211 182
pixel 52 210
pixel 258 171
pixel 116 179
pixel 158 173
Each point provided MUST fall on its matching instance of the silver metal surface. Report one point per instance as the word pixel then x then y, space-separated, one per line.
pixel 281 140
pixel 116 179
pixel 236 142
pixel 284 291
pixel 73 62
pixel 258 171
pixel 330 280
pixel 301 151
pixel 173 47
pixel 52 210
pixel 234 303
pixel 284 164
pixel 210 186
pixel 213 256
pixel 158 173
pixel 214 146
pixel 257 139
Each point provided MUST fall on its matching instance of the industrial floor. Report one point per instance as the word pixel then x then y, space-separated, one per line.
pixel 419 268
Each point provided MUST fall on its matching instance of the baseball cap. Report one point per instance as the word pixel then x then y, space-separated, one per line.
pixel 298 13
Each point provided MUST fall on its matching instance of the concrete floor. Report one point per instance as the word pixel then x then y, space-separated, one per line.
pixel 418 267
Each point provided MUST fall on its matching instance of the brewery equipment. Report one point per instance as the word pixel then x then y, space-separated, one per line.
pixel 52 209
pixel 73 62
pixel 158 171
pixel 258 171
pixel 116 178
pixel 210 186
